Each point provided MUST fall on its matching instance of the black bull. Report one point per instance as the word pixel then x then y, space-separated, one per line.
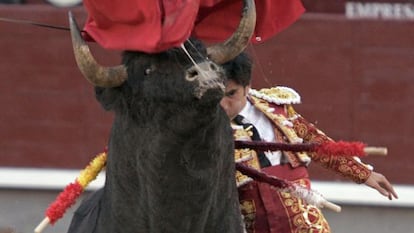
pixel 170 164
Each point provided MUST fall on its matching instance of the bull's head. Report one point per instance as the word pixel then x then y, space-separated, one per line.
pixel 202 72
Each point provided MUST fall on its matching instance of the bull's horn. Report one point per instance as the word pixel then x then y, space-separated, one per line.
pixel 93 72
pixel 221 53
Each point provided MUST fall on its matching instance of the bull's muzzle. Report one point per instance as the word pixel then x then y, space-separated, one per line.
pixel 208 75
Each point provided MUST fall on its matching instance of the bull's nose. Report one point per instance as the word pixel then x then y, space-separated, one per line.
pixel 208 75
pixel 192 74
pixel 204 70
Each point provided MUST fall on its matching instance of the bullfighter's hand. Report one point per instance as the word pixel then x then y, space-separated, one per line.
pixel 381 184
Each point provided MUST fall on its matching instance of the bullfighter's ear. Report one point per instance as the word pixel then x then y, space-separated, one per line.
pixel 110 98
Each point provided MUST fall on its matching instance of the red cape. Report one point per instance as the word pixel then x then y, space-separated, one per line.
pixel 157 25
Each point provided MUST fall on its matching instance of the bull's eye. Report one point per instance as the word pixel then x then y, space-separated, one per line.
pixel 148 71
pixel 192 75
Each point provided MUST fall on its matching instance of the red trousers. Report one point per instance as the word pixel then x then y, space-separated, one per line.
pixel 266 210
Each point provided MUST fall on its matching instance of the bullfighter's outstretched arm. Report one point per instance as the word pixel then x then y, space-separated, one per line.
pixel 345 165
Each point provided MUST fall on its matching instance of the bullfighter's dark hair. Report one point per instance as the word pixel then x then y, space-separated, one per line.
pixel 239 69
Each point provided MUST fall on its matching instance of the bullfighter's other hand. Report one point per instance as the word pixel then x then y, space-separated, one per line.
pixel 381 184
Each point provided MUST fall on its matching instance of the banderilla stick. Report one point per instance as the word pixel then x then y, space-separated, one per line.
pixel 329 148
pixel 309 196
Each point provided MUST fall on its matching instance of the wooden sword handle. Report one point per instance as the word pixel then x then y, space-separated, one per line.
pixel 331 206
pixel 381 151
pixel 42 225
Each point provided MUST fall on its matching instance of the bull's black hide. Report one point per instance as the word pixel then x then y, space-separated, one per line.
pixel 170 165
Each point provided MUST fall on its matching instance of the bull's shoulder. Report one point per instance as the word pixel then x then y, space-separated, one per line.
pixel 278 95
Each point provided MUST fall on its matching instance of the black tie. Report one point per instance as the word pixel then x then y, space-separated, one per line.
pixel 239 119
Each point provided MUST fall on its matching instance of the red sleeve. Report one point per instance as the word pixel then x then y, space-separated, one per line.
pixel 344 165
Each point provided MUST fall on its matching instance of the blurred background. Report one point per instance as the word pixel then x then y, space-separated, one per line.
pixel 351 61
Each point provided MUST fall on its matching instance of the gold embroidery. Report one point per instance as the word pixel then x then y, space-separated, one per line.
pixel 277 95
pixel 246 156
pixel 347 167
pixel 304 218
pixel 248 210
pixel 284 125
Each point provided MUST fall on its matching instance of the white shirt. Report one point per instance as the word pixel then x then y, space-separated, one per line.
pixel 265 128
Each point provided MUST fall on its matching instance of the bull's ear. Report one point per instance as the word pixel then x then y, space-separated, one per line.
pixel 110 98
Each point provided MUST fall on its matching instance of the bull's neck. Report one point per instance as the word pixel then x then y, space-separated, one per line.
pixel 181 118
pixel 147 157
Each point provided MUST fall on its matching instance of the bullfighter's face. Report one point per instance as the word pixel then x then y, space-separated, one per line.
pixel 235 98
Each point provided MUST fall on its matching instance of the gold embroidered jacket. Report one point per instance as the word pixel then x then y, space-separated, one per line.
pixel 276 104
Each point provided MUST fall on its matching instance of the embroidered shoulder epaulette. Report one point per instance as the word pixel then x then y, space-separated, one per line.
pixel 277 95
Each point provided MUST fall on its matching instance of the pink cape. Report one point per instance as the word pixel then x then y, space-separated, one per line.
pixel 157 25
